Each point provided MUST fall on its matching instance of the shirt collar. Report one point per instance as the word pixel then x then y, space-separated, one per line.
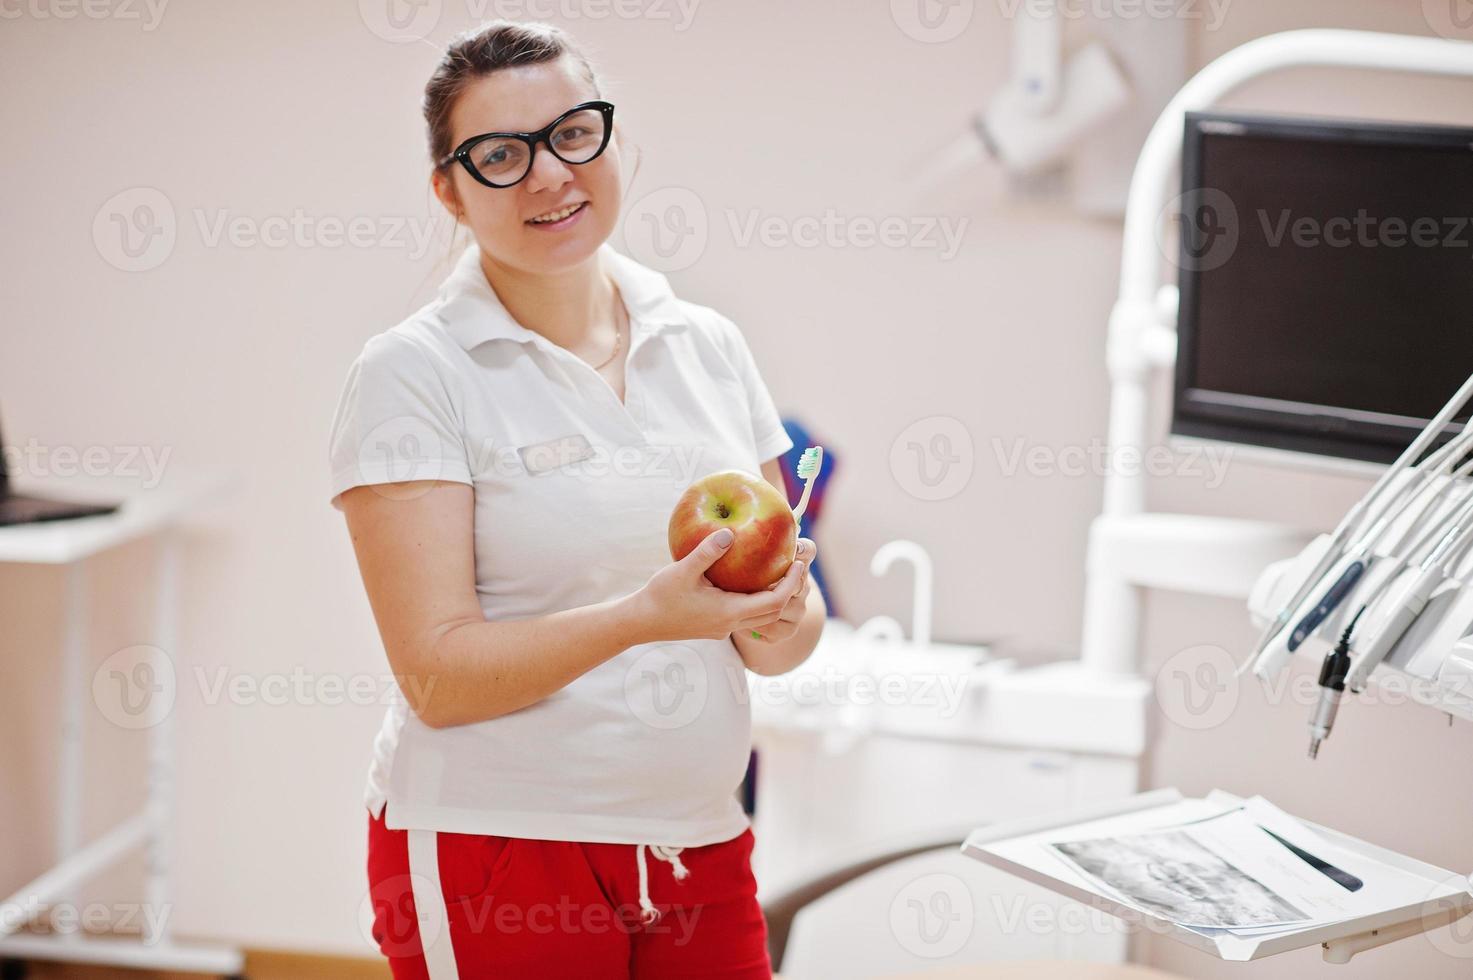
pixel 472 313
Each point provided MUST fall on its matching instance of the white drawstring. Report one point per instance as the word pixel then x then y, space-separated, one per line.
pixel 648 912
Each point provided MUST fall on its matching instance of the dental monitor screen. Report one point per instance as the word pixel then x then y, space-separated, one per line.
pixel 1326 276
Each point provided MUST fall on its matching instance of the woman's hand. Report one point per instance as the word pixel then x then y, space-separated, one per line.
pixel 680 603
pixel 787 622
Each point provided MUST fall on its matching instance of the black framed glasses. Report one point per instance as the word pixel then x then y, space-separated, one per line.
pixel 503 159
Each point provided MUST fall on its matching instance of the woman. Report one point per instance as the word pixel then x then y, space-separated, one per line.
pixel 555 794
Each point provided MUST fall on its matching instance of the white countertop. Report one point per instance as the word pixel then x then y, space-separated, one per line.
pixel 144 509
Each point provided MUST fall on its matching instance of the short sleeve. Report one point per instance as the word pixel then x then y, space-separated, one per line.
pixel 767 427
pixel 395 421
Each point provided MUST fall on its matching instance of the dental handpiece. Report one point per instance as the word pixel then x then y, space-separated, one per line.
pixel 1336 594
pixel 1377 509
pixel 1345 574
pixel 1332 690
pixel 1403 602
pixel 1351 553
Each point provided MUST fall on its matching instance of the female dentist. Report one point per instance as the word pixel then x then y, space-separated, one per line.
pixel 554 794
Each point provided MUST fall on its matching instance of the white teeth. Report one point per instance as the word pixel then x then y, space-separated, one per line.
pixel 556 215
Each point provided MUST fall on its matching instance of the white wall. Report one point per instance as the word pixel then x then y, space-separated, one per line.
pixel 233 355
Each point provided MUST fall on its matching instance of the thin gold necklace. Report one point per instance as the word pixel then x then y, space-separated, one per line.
pixel 618 335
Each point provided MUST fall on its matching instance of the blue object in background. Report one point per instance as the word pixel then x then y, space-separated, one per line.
pixel 747 792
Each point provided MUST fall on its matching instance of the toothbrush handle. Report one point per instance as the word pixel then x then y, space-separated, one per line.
pixel 803 500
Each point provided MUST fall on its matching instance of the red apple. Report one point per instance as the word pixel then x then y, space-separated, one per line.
pixel 758 514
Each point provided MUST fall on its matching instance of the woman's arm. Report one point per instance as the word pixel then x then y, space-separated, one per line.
pixel 787 643
pixel 415 547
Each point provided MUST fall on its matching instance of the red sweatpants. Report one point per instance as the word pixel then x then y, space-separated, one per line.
pixel 518 907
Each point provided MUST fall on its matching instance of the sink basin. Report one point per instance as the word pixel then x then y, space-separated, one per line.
pixel 854 683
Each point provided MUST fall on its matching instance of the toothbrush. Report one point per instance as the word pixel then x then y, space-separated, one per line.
pixel 808 466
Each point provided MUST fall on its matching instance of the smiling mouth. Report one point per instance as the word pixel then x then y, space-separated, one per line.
pixel 553 217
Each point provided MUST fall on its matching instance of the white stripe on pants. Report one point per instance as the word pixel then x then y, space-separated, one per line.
pixel 429 906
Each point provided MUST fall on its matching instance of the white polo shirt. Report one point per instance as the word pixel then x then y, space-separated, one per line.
pixel 573 494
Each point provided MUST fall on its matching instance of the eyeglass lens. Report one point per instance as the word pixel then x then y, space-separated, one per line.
pixel 504 160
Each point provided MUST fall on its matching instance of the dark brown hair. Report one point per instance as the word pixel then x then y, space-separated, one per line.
pixel 476 53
